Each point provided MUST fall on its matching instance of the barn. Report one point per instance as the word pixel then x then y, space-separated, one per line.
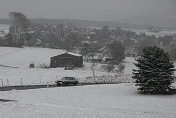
pixel 67 59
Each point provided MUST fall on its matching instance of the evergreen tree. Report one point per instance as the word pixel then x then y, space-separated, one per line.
pixel 155 71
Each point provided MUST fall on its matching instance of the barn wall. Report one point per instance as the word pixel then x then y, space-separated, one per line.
pixel 66 60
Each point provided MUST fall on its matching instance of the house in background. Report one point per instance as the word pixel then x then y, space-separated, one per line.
pixel 67 59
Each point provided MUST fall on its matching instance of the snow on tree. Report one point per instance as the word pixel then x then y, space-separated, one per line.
pixel 108 68
pixel 155 71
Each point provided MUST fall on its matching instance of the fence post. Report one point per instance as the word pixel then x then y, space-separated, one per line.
pixel 21 81
pixel 7 82
pixel 47 84
pixel 40 81
pixel 2 82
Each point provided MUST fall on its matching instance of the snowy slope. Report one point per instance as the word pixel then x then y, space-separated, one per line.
pixel 128 63
pixel 42 76
pixel 22 57
pixel 100 101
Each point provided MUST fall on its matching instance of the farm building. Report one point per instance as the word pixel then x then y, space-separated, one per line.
pixel 67 59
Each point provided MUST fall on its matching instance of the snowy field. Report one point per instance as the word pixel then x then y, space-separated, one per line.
pixel 99 101
pixel 18 60
pixel 22 57
pixel 158 34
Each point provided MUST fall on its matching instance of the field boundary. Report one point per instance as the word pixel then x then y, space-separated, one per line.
pixel 27 87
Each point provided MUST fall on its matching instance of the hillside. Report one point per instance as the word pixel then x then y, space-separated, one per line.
pixel 15 66
pixel 22 57
pixel 122 100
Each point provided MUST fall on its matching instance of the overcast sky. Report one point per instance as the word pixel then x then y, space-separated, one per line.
pixel 111 10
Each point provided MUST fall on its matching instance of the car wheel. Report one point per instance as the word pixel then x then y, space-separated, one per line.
pixel 75 83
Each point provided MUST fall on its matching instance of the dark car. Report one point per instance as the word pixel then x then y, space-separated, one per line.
pixel 67 81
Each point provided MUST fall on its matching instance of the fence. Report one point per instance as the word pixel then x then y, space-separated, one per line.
pixel 5 82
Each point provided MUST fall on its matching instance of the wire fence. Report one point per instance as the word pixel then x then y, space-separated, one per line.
pixel 5 82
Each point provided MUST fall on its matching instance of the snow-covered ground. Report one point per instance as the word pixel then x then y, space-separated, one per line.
pixel 129 65
pixel 100 101
pixel 22 57
pixel 157 34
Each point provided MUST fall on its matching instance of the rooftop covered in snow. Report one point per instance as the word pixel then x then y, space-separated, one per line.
pixel 74 54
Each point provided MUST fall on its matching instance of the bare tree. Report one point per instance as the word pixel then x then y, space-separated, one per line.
pixel 20 23
pixel 120 69
pixel 93 69
pixel 85 50
pixel 109 68
pixel 117 51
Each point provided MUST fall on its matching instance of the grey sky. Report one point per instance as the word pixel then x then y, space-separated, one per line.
pixel 89 9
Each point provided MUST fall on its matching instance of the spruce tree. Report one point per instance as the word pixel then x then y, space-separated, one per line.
pixel 155 71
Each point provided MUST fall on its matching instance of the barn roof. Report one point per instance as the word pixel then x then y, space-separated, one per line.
pixel 75 54
pixel 70 53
